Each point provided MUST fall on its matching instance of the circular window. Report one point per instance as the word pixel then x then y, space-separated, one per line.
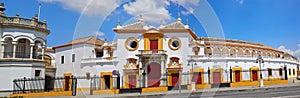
pixel 174 43
pixel 131 44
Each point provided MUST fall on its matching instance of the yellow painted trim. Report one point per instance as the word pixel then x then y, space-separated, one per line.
pixel 82 89
pixel 103 81
pixel 65 93
pixel 149 36
pixel 170 45
pixel 212 70
pixel 170 72
pixel 126 82
pixel 237 84
pixel 127 42
pixel 155 89
pixel 111 91
pixel 199 86
pixel 275 82
pixel 70 81
pixel 258 73
pixel 233 72
pixel 201 70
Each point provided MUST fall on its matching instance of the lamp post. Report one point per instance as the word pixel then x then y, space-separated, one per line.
pixel 193 80
pixel 260 60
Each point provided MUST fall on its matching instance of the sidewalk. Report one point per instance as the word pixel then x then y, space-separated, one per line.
pixel 185 93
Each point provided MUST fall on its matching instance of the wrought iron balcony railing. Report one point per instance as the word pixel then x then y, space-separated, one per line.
pixel 143 52
pixel 18 55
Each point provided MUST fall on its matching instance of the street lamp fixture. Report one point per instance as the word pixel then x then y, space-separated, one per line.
pixel 260 60
pixel 193 80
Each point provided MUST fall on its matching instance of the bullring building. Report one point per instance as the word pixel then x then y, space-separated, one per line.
pixel 163 57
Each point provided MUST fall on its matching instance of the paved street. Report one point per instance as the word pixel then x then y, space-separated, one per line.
pixel 293 92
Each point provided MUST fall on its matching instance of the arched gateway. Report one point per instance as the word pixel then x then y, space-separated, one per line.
pixel 153 74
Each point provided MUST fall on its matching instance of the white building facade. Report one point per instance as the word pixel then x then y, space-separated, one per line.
pixel 19 57
pixel 153 57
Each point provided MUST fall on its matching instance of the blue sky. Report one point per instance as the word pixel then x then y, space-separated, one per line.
pixel 274 23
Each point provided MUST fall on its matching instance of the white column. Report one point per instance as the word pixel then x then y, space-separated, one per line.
pixel 140 74
pixel 31 51
pixel 43 51
pixel 2 51
pixel 14 49
pixel 236 51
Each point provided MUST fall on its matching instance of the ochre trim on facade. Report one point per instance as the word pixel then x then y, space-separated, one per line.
pixel 170 44
pixel 212 70
pixel 233 73
pixel 258 73
pixel 201 70
pixel 131 72
pixel 155 89
pixel 107 91
pixel 174 71
pixel 102 86
pixel 149 36
pixel 127 42
pixel 64 93
pixel 70 81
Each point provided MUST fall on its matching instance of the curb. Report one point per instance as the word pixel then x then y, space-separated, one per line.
pixel 202 91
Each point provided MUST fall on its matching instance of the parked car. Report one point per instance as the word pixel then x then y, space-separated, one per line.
pixel 298 77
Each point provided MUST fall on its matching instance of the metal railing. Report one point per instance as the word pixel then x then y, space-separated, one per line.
pixel 142 52
pixel 19 55
pixel 35 85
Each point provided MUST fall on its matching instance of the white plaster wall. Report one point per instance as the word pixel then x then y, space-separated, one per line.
pixel 182 52
pixel 11 73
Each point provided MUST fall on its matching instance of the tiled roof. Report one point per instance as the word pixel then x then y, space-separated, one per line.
pixel 86 40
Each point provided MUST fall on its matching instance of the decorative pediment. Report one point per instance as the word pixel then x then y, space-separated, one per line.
pixel 175 25
pixel 174 63
pixel 131 64
pixel 137 25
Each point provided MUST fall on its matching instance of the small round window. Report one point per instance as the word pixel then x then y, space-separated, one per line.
pixel 174 43
pixel 131 44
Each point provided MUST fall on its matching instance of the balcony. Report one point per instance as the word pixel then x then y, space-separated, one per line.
pixel 152 53
pixel 29 23
pixel 19 56
pixel 100 61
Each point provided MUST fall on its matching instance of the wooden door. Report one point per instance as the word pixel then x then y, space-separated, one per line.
pixel 67 83
pixel 237 76
pixel 254 75
pixel 154 46
pixel 197 77
pixel 153 75
pixel 132 81
pixel 175 78
pixel 216 77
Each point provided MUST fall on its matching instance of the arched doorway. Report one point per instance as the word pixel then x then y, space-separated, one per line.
pixel 153 75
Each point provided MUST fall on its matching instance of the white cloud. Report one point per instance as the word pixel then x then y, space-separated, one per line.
pixel 88 7
pixel 155 10
pixel 241 1
pixel 294 53
pixel 190 5
pixel 99 33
